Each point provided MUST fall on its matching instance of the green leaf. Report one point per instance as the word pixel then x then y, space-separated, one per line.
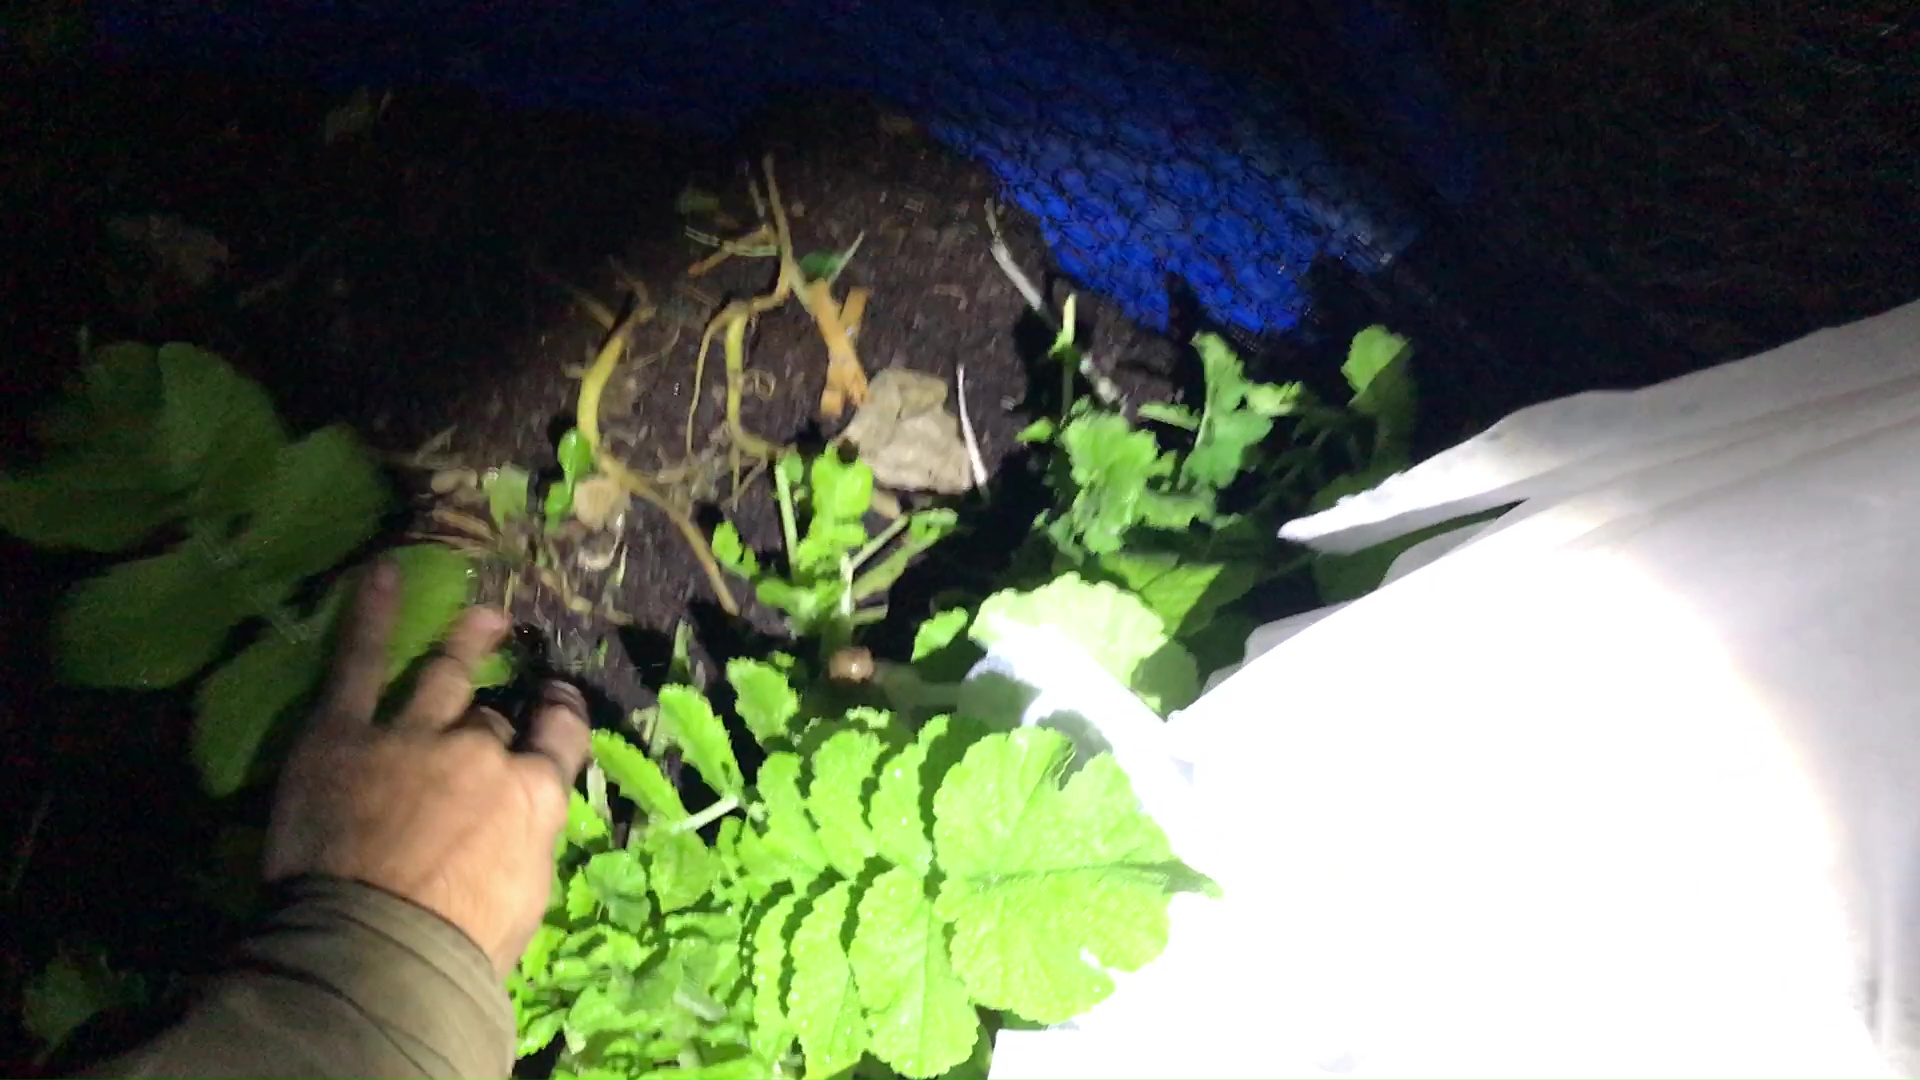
pixel 220 431
pixel 1111 465
pixel 765 700
pixel 1277 399
pixel 841 767
pixel 921 1019
pixel 1112 626
pixel 897 813
pixel 1379 369
pixel 787 836
pixel 1183 592
pixel 689 721
pixel 772 1034
pixel 938 632
pixel 619 885
pixel 540 949
pixel 585 828
pixel 152 622
pixel 841 490
pixel 681 867
pixel 1062 348
pixel 506 489
pixel 1178 416
pixel 1040 431
pixel 71 990
pixel 576 456
pixel 436 584
pixel 580 901
pixel 1372 351
pixel 238 707
pixel 823 1001
pixel 1047 887
pixel 637 776
pixel 818 265
pixel 602 1010
pixel 324 499
pixel 1227 431
pixel 537 1030
pixel 115 399
pixel 497 668
pixel 729 551
pixel 558 505
pixel 92 502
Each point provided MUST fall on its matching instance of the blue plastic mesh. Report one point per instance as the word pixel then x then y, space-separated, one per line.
pixel 1139 169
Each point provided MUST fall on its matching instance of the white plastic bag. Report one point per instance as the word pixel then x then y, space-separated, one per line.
pixel 1627 783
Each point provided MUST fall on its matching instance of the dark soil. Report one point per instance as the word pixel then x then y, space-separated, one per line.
pixel 403 282
pixel 395 281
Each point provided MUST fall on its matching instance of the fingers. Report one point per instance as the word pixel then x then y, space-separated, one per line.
pixel 360 648
pixel 445 687
pixel 556 741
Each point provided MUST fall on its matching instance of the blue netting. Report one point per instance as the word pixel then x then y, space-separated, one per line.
pixel 1139 169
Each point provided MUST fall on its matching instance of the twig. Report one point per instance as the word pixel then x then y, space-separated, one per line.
pixel 587 420
pixel 1025 286
pixel 1104 388
pixel 966 429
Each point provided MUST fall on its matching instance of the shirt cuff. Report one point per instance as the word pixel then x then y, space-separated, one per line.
pixel 424 983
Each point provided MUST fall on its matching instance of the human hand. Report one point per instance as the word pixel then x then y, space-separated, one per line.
pixel 443 807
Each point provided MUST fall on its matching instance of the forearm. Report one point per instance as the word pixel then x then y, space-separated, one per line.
pixel 343 980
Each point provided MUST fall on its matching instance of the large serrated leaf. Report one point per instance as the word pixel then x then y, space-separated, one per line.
pixel 436 584
pixel 787 836
pixel 239 706
pixel 691 724
pixel 323 500
pixel 897 814
pixel 823 1001
pixel 840 770
pixel 921 1020
pixel 152 622
pixel 764 698
pixel 637 777
pixel 1047 887
pixel 772 1033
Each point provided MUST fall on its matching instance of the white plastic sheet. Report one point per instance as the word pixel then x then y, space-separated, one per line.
pixel 1627 783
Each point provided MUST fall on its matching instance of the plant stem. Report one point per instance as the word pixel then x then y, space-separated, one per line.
pixel 789 531
pixel 881 577
pixel 886 536
pixel 708 816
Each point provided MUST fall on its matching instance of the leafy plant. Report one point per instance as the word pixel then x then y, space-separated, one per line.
pixel 1151 517
pixel 870 893
pixel 576 464
pixel 834 566
pixel 170 449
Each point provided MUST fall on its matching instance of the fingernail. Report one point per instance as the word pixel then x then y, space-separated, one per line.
pixel 565 695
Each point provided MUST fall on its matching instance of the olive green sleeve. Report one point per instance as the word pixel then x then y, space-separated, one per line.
pixel 343 980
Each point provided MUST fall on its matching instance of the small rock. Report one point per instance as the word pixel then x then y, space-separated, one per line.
pixel 448 481
pixel 908 436
pixel 598 500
